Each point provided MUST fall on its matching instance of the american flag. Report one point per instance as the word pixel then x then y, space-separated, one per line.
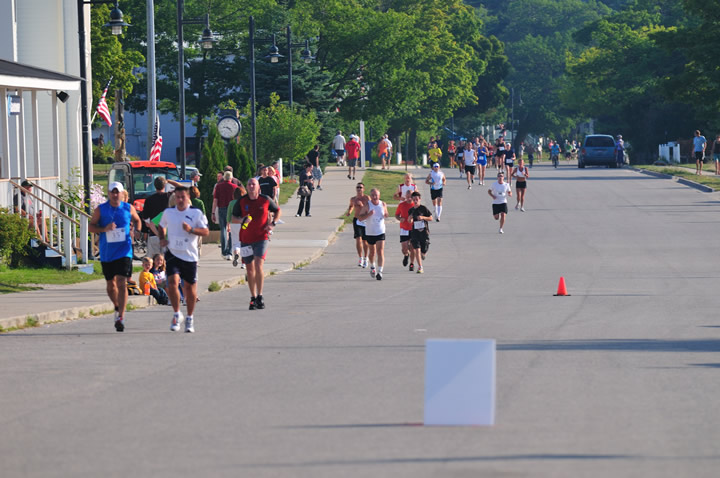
pixel 157 141
pixel 102 107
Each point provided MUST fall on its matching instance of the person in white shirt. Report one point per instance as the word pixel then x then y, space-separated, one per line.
pixel 374 218
pixel 178 230
pixel 338 145
pixel 436 179
pixel 500 191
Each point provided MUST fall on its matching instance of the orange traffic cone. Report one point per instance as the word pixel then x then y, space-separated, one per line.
pixel 562 290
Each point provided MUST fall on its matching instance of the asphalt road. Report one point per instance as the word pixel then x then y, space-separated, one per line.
pixel 619 379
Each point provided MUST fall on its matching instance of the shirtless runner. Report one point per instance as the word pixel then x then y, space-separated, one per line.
pixel 358 205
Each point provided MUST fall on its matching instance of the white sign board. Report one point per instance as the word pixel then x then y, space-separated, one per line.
pixel 14 104
pixel 459 382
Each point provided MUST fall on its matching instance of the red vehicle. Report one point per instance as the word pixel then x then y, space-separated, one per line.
pixel 138 177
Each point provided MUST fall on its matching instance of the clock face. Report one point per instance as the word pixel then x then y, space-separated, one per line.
pixel 228 127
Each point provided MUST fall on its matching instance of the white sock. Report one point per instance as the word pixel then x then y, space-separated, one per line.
pixel 380 268
pixel 439 211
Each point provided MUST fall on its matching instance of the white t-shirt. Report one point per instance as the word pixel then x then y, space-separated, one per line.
pixel 500 191
pixel 375 224
pixel 469 157
pixel 339 142
pixel 389 144
pixel 183 245
pixel 437 179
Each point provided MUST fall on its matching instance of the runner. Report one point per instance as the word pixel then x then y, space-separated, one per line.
pixel 375 232
pixel 482 155
pixel 434 153
pixel 384 150
pixel 178 230
pixel 500 191
pixel 338 145
pixel 509 161
pixel 114 220
pixel 460 158
pixel 499 153
pixel 469 155
pixel 451 150
pixel 401 214
pixel 521 174
pixel 405 189
pixel 436 179
pixel 252 211
pixel 358 204
pixel 419 215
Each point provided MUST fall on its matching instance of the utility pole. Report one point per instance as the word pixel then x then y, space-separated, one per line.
pixel 151 88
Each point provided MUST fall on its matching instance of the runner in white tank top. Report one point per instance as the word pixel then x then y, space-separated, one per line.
pixel 375 232
pixel 405 189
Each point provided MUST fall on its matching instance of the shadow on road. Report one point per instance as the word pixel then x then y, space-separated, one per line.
pixel 630 345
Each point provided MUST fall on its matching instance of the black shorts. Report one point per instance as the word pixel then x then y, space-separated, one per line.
pixel 420 240
pixel 499 208
pixel 436 193
pixel 373 239
pixel 186 270
pixel 470 169
pixel 404 238
pixel 340 152
pixel 699 156
pixel 358 231
pixel 118 267
pixel 520 184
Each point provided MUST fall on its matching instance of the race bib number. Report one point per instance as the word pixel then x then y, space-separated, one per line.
pixel 246 251
pixel 404 232
pixel 509 161
pixel 178 243
pixel 116 235
pixel 419 225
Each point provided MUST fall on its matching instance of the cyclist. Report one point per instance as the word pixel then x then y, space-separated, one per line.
pixel 555 153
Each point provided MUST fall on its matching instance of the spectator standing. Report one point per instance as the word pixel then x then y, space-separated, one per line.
pixel 268 184
pixel 306 179
pixel 716 153
pixel 620 151
pixel 313 158
pixel 222 196
pixel 699 144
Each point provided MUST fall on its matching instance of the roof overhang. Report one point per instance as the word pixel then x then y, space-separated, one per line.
pixel 26 77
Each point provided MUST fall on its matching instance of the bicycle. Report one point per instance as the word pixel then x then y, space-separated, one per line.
pixel 139 247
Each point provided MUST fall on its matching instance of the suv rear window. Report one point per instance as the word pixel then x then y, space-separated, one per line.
pixel 599 142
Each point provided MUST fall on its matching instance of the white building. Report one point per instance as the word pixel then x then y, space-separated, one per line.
pixel 43 140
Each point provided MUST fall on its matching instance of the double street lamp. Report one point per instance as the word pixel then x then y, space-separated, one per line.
pixel 274 56
pixel 207 43
pixel 116 23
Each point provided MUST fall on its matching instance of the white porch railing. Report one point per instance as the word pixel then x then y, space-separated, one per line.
pixel 63 227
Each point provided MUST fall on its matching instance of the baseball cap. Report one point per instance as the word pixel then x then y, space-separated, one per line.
pixel 116 185
pixel 435 165
pixel 195 174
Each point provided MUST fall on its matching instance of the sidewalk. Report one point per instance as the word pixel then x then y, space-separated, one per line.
pixel 299 241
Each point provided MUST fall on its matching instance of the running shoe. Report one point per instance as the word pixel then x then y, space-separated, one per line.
pixel 308 215
pixel 297 215
pixel 517 206
pixel 189 325
pixel 405 260
pixel 349 177
pixel 379 276
pixel 365 262
pixel 175 324
pixel 422 254
pixel 522 209
pixel 319 188
pixel 235 259
pixel 117 313
pixel 372 272
pixel 242 265
pixel 259 302
pixel 412 266
pixel 420 270
pixel 119 324
pixel 353 178
pixel 469 187
pixel 501 231
pixel 360 261
pixel 437 219
pixel 252 303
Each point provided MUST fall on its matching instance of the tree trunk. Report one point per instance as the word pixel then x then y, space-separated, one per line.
pixel 412 153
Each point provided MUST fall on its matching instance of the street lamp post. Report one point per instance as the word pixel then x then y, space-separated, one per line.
pixel 207 41
pixel 273 56
pixel 116 23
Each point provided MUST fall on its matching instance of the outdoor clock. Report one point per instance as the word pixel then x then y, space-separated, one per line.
pixel 228 127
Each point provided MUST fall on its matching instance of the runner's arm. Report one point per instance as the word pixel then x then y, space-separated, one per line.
pixel 94 225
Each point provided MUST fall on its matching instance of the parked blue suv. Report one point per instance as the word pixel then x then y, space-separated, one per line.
pixel 597 150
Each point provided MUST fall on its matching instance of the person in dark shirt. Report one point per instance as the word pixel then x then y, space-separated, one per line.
pixel 306 179
pixel 419 215
pixel 154 205
pixel 222 196
pixel 267 183
pixel 313 158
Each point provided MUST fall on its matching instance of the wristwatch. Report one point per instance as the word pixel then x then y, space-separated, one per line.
pixel 272 223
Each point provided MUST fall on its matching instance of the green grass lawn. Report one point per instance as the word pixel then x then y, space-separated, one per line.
pixel 384 180
pixel 687 171
pixel 17 279
pixel 100 174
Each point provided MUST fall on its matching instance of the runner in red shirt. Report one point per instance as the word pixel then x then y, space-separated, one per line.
pixel 401 214
pixel 251 211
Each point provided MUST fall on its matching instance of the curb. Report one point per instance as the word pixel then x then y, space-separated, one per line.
pixel 678 179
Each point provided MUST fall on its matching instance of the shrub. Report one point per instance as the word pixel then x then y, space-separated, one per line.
pixel 15 235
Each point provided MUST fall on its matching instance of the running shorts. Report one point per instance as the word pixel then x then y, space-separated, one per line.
pixel 373 239
pixel 499 208
pixel 186 270
pixel 436 193
pixel 119 267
